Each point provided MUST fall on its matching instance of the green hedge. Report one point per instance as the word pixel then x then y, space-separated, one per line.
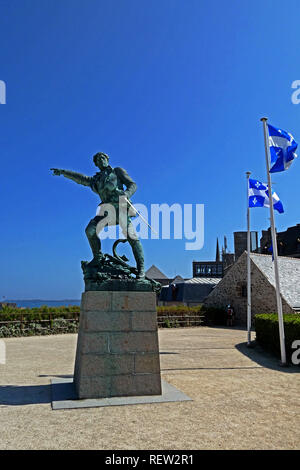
pixel 214 316
pixel 38 321
pixel 178 310
pixel 38 328
pixel 267 332
pixel 175 316
pixel 38 313
pixel 53 320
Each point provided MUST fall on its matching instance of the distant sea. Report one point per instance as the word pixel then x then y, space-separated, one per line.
pixel 38 302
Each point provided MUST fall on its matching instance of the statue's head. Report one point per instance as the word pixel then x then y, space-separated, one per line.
pixel 101 160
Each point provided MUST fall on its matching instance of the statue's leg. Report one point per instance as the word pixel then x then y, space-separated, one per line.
pixel 138 253
pixel 106 217
pixel 136 246
pixel 93 238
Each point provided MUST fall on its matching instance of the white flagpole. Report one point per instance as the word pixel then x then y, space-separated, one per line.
pixel 248 173
pixel 274 244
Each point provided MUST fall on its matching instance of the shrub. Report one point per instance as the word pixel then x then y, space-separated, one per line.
pixel 175 316
pixel 214 316
pixel 178 310
pixel 267 332
pixel 8 313
pixel 54 320
pixel 38 321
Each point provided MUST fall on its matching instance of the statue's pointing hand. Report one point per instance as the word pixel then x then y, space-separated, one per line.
pixel 120 192
pixel 57 171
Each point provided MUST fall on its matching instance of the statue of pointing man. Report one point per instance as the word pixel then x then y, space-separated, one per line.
pixel 109 184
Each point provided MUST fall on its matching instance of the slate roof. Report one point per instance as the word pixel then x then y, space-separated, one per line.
pixel 155 273
pixel 203 280
pixel 177 280
pixel 289 275
pixel 191 290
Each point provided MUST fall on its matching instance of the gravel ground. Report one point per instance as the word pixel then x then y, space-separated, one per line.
pixel 242 399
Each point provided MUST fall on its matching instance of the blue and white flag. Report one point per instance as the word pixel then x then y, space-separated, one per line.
pixel 258 194
pixel 270 249
pixel 282 149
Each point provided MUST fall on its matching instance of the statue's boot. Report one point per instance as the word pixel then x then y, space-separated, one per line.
pixel 95 244
pixel 138 254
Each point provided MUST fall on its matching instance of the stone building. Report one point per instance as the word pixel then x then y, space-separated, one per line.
pixel 288 242
pixel 157 275
pixel 225 261
pixel 208 269
pixel 232 289
pixel 189 292
pixel 240 242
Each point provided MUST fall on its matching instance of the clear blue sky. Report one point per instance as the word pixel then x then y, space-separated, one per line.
pixel 172 90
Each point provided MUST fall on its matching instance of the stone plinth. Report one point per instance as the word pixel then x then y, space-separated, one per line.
pixel 117 348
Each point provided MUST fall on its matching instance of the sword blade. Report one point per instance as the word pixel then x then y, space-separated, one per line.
pixel 140 215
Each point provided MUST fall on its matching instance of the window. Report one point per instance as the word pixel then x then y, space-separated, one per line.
pixel 242 289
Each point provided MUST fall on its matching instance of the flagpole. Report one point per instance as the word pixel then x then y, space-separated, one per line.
pixel 248 173
pixel 274 243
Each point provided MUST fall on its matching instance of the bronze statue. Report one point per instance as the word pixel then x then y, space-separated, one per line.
pixel 109 184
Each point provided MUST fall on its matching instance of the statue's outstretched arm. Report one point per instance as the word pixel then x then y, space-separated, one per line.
pixel 72 175
pixel 131 186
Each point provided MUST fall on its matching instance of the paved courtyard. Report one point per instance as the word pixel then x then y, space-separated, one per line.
pixel 241 398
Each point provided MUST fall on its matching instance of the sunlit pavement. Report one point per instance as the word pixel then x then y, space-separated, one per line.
pixel 242 398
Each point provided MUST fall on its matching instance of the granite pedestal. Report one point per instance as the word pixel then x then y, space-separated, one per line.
pixel 117 349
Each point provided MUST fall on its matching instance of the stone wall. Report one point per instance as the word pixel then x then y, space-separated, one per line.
pixel 117 349
pixel 232 289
